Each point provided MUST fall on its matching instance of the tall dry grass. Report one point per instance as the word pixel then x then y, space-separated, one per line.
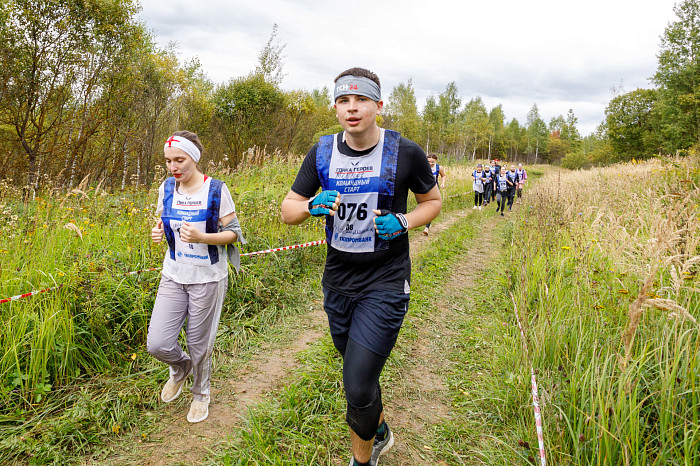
pixel 608 276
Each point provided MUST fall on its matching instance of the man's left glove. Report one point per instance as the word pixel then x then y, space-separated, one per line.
pixel 390 225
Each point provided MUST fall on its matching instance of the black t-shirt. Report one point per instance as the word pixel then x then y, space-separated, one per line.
pixel 349 273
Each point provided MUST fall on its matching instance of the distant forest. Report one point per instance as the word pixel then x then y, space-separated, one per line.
pixel 86 93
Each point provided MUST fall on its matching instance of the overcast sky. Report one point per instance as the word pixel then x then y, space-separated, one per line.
pixel 558 54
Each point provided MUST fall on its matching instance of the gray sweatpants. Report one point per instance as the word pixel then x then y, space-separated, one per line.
pixel 200 304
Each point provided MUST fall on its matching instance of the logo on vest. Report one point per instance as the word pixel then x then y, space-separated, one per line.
pixel 181 202
pixel 353 170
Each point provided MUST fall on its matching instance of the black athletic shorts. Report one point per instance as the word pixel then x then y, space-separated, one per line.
pixel 372 319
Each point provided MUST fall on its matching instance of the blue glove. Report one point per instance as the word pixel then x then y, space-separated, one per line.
pixel 390 225
pixel 323 203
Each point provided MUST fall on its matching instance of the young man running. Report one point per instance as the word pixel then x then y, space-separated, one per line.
pixel 501 185
pixel 438 172
pixel 495 171
pixel 364 173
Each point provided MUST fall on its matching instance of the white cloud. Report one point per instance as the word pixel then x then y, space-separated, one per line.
pixel 557 54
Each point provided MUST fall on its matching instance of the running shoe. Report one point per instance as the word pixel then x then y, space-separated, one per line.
pixel 353 462
pixel 474 207
pixel 502 214
pixel 199 411
pixel 425 232
pixel 479 207
pixel 382 446
pixel 171 389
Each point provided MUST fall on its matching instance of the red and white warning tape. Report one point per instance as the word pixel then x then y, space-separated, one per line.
pixel 137 272
pixel 26 295
pixel 535 395
pixel 296 246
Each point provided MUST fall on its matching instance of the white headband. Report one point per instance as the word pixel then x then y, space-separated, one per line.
pixel 185 145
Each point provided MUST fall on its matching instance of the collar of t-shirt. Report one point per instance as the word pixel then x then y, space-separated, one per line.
pixel 344 149
pixel 177 187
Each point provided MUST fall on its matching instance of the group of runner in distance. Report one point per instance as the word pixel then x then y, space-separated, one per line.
pixel 496 182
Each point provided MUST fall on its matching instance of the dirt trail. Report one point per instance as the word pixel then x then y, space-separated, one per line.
pixel 419 402
pixel 422 399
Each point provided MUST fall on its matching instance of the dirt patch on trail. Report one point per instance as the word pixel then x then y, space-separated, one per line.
pixel 265 374
pixel 421 399
pixel 233 394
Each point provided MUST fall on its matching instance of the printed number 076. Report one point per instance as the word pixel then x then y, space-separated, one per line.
pixel 348 210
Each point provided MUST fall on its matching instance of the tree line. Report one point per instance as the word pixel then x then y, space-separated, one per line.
pixel 86 92
pixel 637 125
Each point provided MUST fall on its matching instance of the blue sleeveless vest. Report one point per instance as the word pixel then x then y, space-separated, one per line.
pixel 436 173
pixel 210 216
pixel 383 185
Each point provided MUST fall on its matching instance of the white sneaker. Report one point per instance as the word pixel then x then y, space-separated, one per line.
pixel 171 389
pixel 479 207
pixel 199 411
pixel 474 207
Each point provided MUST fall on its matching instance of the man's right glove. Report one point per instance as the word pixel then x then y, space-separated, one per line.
pixel 324 203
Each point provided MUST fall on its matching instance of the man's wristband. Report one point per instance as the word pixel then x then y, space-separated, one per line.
pixel 402 220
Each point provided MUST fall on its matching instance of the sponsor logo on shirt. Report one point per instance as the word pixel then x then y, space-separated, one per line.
pixel 345 239
pixel 353 170
pixel 196 256
pixel 188 203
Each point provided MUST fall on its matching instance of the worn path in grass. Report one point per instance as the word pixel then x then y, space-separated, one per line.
pixel 419 401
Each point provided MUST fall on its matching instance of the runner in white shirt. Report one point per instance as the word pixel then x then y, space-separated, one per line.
pixel 198 220
pixel 522 178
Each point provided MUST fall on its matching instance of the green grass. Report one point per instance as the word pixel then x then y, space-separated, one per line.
pixel 69 357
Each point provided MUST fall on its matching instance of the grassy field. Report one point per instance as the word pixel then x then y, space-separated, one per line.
pixel 602 265
pixel 74 370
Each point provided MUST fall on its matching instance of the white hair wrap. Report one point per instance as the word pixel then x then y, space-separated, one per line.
pixel 184 144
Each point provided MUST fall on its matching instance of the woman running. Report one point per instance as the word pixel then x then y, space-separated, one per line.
pixel 198 220
pixel 522 178
pixel 512 176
